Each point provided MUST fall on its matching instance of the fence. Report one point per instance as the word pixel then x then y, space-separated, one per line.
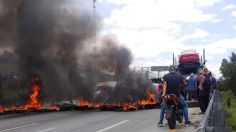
pixel 213 120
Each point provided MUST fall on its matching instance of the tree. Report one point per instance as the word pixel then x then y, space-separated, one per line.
pixel 221 84
pixel 228 70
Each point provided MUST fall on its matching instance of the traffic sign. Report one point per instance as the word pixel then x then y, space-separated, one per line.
pixel 159 68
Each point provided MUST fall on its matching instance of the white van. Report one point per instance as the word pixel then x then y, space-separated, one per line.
pixel 107 92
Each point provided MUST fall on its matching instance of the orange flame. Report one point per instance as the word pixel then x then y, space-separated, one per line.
pixel 83 102
pixel 10 108
pixel 128 106
pixel 2 109
pixel 151 100
pixel 52 107
pixel 33 102
pixel 96 105
pixel 13 107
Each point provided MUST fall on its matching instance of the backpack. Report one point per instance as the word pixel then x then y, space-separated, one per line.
pixel 207 83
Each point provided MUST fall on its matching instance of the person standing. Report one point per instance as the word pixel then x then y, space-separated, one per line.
pixel 213 80
pixel 204 90
pixel 172 83
pixel 200 78
pixel 162 110
pixel 192 87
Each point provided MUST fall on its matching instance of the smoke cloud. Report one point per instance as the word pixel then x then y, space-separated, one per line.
pixel 52 39
pixel 114 57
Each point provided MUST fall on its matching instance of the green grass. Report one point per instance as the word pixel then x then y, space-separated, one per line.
pixel 231 111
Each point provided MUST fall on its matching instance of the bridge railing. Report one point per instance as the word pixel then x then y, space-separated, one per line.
pixel 214 117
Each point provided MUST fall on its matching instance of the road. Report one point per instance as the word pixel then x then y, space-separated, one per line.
pixel 92 121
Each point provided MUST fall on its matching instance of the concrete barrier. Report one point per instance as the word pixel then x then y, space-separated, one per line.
pixel 214 117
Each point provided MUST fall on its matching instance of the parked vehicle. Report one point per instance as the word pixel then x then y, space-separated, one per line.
pixel 110 92
pixel 119 92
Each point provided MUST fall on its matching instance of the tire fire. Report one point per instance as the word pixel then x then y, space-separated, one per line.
pixel 151 100
pixel 33 103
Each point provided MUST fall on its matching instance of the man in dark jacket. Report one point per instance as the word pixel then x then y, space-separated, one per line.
pixel 172 85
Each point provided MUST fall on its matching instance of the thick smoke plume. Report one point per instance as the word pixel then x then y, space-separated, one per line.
pixel 49 39
pixel 116 59
pixel 113 57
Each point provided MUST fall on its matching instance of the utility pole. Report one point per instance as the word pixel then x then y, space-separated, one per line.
pixel 173 59
pixel 95 35
pixel 204 57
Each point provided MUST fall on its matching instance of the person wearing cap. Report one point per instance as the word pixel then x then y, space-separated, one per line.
pixel 192 87
pixel 172 83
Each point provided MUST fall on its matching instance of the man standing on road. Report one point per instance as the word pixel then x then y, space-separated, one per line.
pixel 162 111
pixel 192 87
pixel 172 85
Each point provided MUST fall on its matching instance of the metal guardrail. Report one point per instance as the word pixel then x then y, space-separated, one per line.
pixel 214 117
pixel 204 122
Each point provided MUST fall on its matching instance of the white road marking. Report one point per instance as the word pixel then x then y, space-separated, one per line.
pixel 115 125
pixel 14 128
pixel 46 130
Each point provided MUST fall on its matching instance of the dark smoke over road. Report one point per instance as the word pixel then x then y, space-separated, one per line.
pixel 50 39
pixel 47 37
pixel 113 57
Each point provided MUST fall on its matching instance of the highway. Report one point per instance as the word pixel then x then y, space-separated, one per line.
pixel 93 121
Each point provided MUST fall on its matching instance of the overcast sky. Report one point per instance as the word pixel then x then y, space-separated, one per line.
pixel 154 29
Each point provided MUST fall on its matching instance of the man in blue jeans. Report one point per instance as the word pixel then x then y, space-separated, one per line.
pixel 192 87
pixel 162 111
pixel 172 85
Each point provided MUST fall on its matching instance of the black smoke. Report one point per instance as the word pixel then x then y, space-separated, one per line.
pixel 47 37
pixel 51 38
pixel 116 59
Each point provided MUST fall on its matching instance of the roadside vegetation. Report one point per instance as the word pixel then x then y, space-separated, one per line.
pixel 230 110
pixel 227 85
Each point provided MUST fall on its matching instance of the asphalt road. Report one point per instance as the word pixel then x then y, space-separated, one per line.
pixel 91 121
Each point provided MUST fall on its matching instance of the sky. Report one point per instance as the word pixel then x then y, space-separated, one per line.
pixel 155 29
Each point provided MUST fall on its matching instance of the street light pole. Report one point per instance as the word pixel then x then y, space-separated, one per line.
pixel 95 34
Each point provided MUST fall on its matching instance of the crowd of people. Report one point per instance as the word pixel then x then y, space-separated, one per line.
pixel 196 87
